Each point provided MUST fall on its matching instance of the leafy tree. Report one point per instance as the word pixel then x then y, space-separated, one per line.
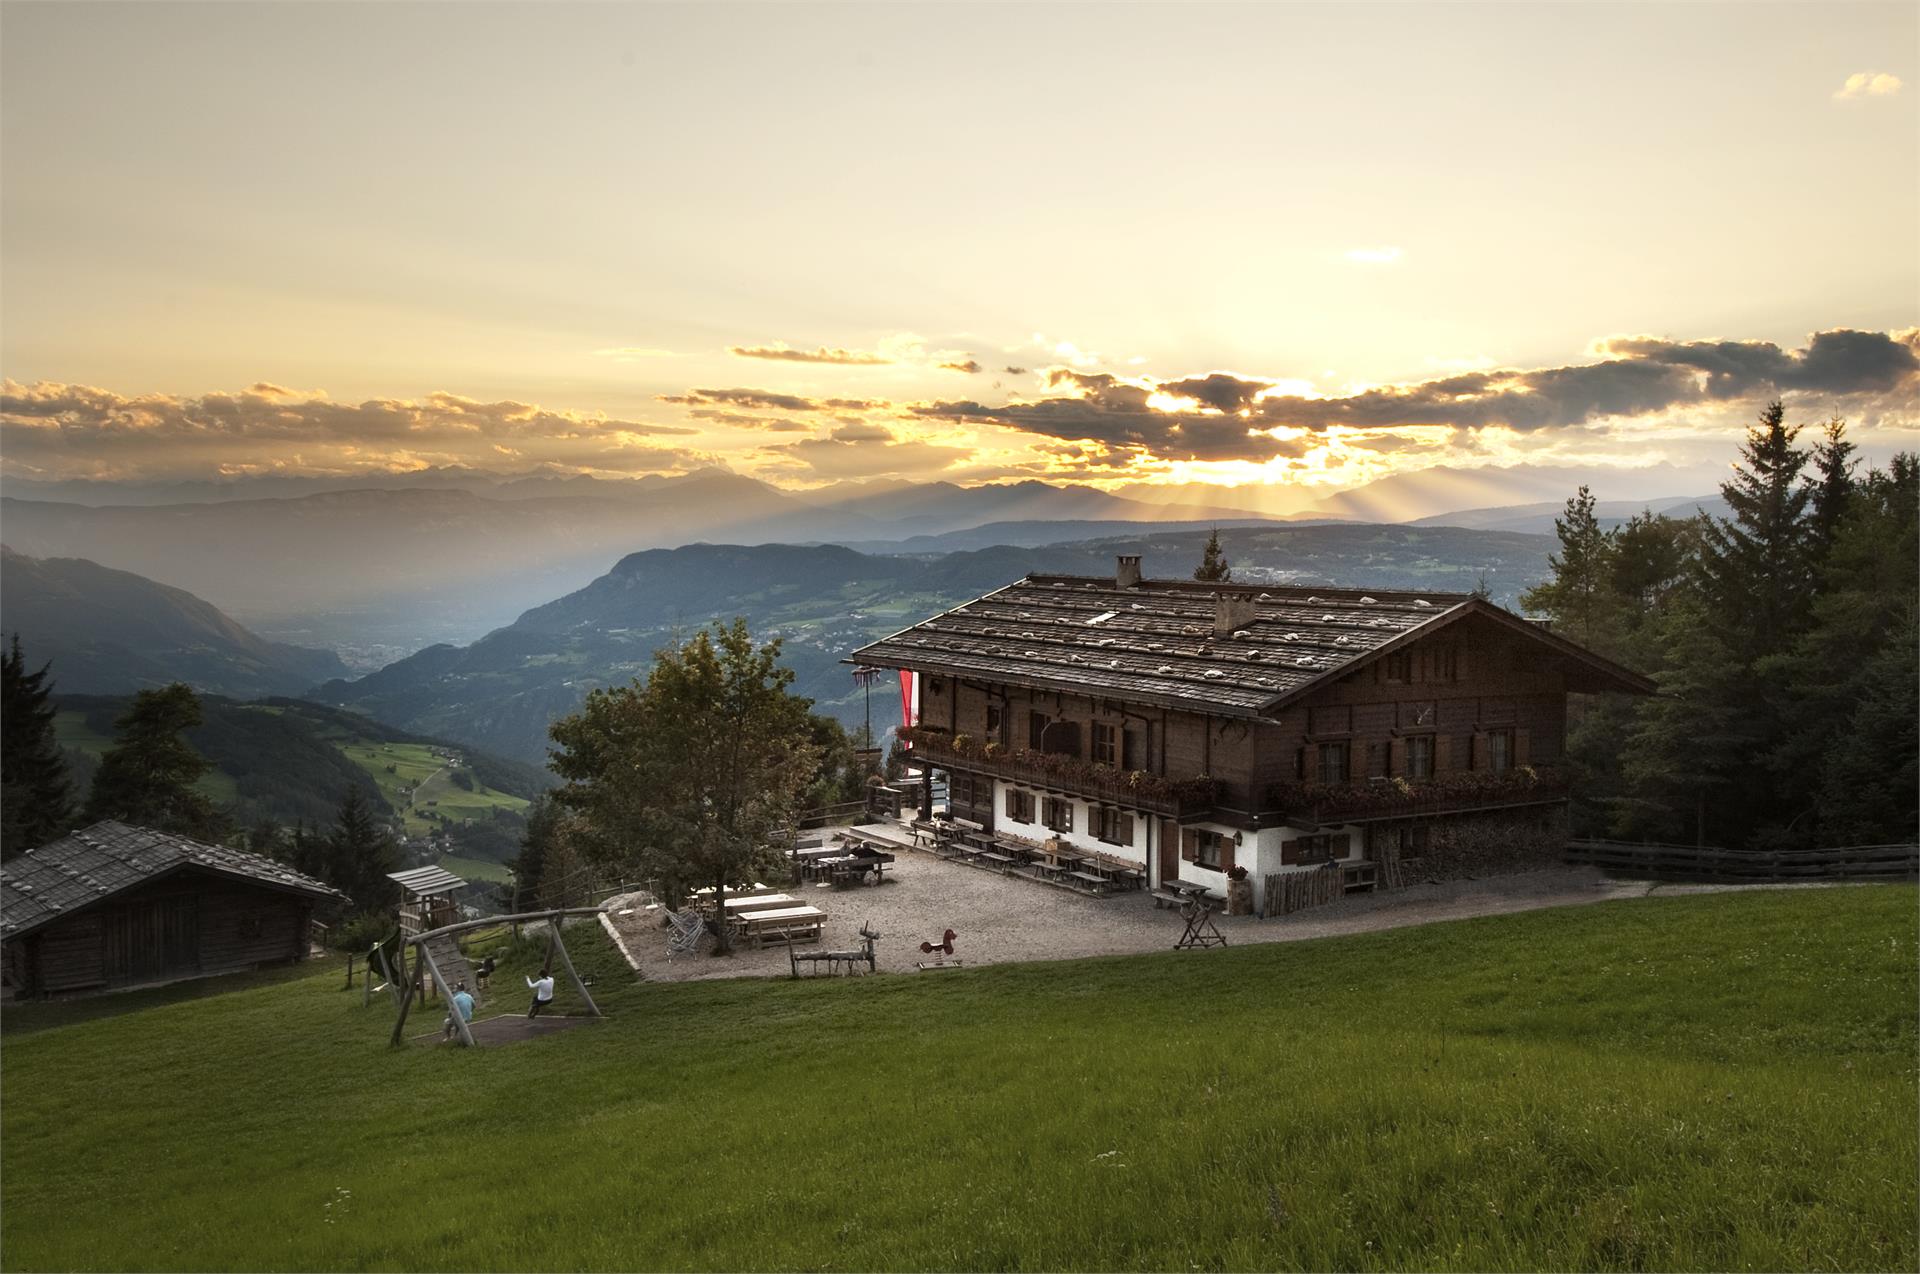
pixel 36 804
pixel 690 777
pixel 1576 597
pixel 1213 568
pixel 148 776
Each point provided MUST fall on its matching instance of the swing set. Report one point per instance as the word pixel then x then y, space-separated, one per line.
pixel 412 963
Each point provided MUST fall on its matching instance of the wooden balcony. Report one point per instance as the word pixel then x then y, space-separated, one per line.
pixel 1367 799
pixel 1067 775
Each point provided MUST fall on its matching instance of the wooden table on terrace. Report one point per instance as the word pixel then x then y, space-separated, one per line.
pixel 794 923
pixel 760 902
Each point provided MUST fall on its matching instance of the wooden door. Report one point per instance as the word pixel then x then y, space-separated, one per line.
pixel 153 939
pixel 1169 851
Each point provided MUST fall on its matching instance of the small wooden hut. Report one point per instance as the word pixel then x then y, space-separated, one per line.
pixel 113 905
pixel 427 898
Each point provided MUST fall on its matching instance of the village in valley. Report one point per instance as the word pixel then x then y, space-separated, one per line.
pixel 671 637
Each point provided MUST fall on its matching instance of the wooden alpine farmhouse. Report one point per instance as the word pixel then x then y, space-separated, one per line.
pixel 1193 727
pixel 113 905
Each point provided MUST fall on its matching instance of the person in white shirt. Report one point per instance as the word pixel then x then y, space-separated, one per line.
pixel 542 992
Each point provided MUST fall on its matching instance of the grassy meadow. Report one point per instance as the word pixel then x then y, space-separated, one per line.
pixel 1706 1082
pixel 398 767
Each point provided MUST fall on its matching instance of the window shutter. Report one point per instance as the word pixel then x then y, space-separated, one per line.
pixel 1226 853
pixel 1123 828
pixel 1442 753
pixel 1300 763
pixel 1190 845
pixel 1356 759
pixel 1522 750
pixel 1398 762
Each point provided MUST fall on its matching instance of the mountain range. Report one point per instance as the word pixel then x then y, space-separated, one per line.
pixel 114 631
pixel 501 691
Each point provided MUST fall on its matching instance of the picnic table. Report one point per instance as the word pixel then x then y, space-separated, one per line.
pixel 1092 880
pixel 760 902
pixel 794 924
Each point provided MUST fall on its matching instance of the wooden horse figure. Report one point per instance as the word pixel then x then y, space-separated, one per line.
pixel 941 951
pixel 834 959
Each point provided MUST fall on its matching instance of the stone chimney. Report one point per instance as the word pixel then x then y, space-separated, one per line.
pixel 1126 573
pixel 1231 612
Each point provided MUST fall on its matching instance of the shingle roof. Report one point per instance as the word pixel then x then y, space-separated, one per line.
pixel 1155 642
pixel 422 881
pixel 94 863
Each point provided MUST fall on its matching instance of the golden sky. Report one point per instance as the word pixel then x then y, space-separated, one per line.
pixel 1292 245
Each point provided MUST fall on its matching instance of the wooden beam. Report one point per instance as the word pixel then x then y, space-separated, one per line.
pixel 404 994
pixel 446 995
pixel 567 960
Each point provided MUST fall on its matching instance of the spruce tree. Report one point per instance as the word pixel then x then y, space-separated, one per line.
pixel 1755 569
pixel 147 778
pixel 36 805
pixel 1576 597
pixel 1833 462
pixel 360 851
pixel 1213 568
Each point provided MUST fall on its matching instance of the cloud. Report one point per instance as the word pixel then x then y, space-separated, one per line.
pixel 1864 84
pixel 779 351
pixel 1374 256
pixel 767 400
pixel 862 450
pixel 1241 418
pixel 54 429
pixel 970 366
pixel 1014 371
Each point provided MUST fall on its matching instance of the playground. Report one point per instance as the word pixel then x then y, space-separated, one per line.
pixel 1002 919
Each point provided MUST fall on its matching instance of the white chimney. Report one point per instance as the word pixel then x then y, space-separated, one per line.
pixel 1126 574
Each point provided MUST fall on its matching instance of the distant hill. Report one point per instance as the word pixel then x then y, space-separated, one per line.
pixel 110 631
pixel 823 601
pixel 287 761
pixel 1443 489
pixel 1538 519
pixel 447 560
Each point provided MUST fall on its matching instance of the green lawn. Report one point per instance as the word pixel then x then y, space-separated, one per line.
pixel 416 767
pixel 475 868
pixel 1709 1082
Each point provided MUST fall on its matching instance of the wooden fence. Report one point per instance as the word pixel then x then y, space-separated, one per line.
pixel 1289 891
pixel 1696 862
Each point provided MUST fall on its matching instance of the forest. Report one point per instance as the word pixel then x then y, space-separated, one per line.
pixel 1783 641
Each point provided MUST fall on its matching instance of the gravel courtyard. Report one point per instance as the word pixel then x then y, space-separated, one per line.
pixel 1004 919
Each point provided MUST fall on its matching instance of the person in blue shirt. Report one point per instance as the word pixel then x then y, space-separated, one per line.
pixel 462 1004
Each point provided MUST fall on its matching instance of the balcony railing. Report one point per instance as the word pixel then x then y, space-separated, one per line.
pixel 1134 789
pixel 1445 793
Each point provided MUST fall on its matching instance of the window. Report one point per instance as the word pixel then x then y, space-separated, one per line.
pixel 1106 747
pixel 1308 850
pixel 1333 762
pixel 1057 814
pixel 994 723
pixel 1398 666
pixel 1446 663
pixel 1036 729
pixel 1019 805
pixel 1211 850
pixel 1500 751
pixel 1420 756
pixel 1113 826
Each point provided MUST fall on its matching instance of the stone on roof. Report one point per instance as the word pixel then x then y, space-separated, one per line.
pixel 94 863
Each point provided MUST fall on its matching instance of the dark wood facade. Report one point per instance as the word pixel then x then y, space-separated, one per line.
pixel 188 924
pixel 1197 730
